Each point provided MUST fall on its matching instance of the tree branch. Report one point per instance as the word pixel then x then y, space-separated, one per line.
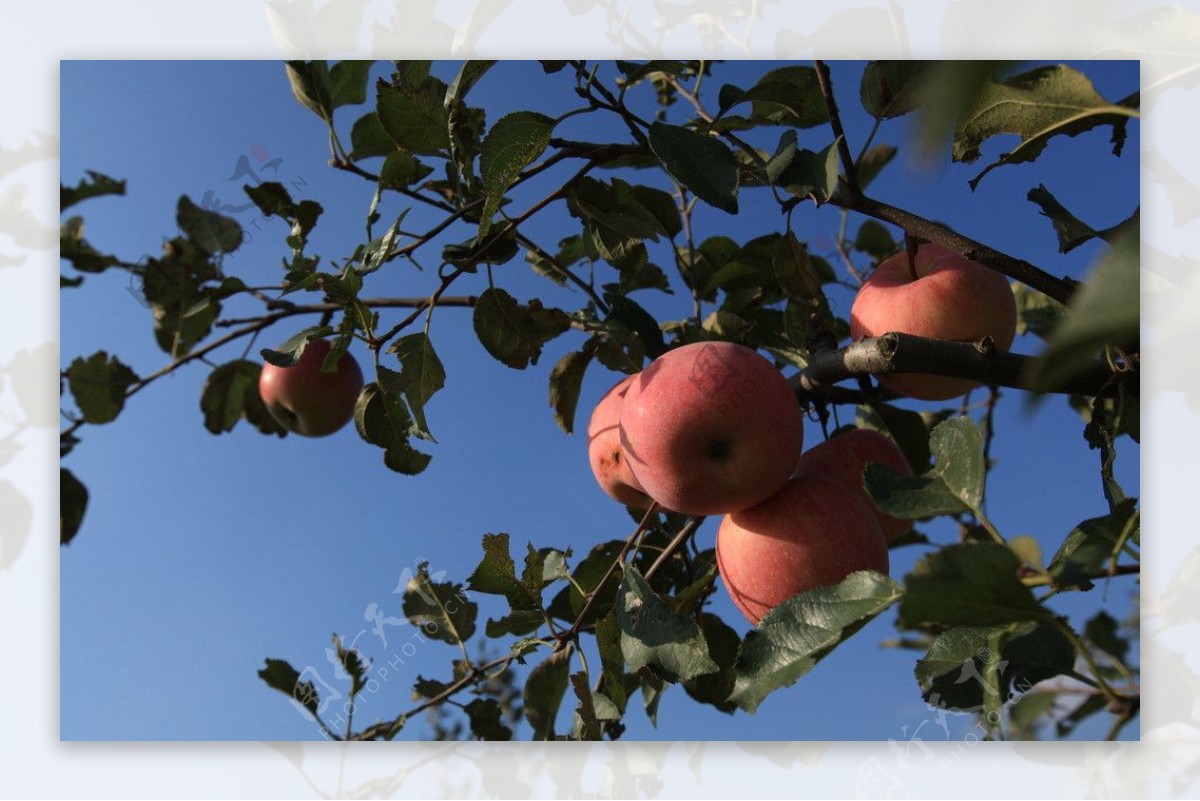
pixel 904 353
pixel 835 122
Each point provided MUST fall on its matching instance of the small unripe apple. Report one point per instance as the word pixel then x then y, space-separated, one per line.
pixel 711 427
pixel 942 295
pixel 605 454
pixel 307 401
pixel 845 456
pixel 812 533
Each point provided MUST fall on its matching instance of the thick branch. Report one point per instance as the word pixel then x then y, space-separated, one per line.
pixel 905 353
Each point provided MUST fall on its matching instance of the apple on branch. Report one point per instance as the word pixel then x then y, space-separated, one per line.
pixel 605 454
pixel 308 401
pixel 941 294
pixel 710 428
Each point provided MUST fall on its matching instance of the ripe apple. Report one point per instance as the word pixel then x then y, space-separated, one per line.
pixel 306 400
pixel 711 427
pixel 950 297
pixel 845 456
pixel 605 454
pixel 812 533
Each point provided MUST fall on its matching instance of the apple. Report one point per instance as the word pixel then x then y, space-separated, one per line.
pixel 812 533
pixel 710 428
pixel 307 401
pixel 949 297
pixel 846 455
pixel 605 454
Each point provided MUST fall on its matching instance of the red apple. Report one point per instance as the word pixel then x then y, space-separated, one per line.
pixel 845 456
pixel 306 400
pixel 605 454
pixel 950 297
pixel 812 533
pixel 711 427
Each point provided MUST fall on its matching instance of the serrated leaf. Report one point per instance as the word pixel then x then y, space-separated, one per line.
pixel 723 645
pixel 794 636
pixel 213 232
pixel 368 139
pixel 383 420
pixel 401 170
pixel 96 184
pixel 566 381
pixel 783 96
pixel 968 585
pixel 810 174
pixel 414 116
pixel 700 162
pixel 587 725
pixel 518 623
pixel 98 384
pixel 954 672
pixel 514 333
pixel 893 88
pixel 654 636
pixel 594 568
pixel 310 86
pixel 231 393
pixel 1106 310
pixel 421 374
pixel 348 83
pixel 1036 105
pixel 496 575
pixel 544 691
pixel 72 505
pixel 513 143
pixel 910 497
pixel 443 610
pixel 280 675
pixel 957 448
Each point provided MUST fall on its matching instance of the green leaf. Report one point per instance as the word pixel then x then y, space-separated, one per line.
pixel 352 662
pixel 906 427
pixel 1037 313
pixel 311 86
pixel 566 381
pixel 872 163
pixel 544 691
pixel 95 185
pixel 230 394
pixel 953 674
pixel 513 143
pixel 280 675
pixel 587 725
pixel 968 585
pixel 485 714
pixel 810 174
pixel 367 138
pixel 1106 310
pixel 627 311
pixel 875 240
pixel 1102 631
pixel 723 645
pixel 957 447
pixel 893 88
pixel 518 623
pixel 382 419
pixel 401 170
pixel 1092 544
pixel 653 636
pixel 588 574
pixel 415 117
pixel 421 374
pixel 496 575
pixel 700 162
pixel 213 232
pixel 288 353
pixel 442 610
pixel 98 384
pixel 348 83
pixel 72 504
pixel 910 497
pixel 1036 105
pixel 514 333
pixel 794 636
pixel 784 96
pixel 83 257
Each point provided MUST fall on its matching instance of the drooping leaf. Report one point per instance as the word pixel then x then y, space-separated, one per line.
pixel 957 448
pixel 83 257
pixel 311 86
pixel 512 332
pixel 98 384
pixel 421 374
pixel 1092 544
pixel 893 88
pixel 486 724
pixel 496 575
pixel 383 420
pixel 1036 105
pixel 353 663
pixel 213 232
pixel 587 724
pixel 628 312
pixel 280 675
pixel 96 184
pixel 544 691
pixel 968 585
pixel 723 645
pixel 910 497
pixel 512 144
pixel 72 503
pixel 566 381
pixel 654 636
pixel 231 393
pixel 1071 231
pixel 702 163
pixel 443 610
pixel 794 636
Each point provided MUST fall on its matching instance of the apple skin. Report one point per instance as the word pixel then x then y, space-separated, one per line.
pixel 846 455
pixel 607 459
pixel 812 533
pixel 305 400
pixel 710 428
pixel 953 298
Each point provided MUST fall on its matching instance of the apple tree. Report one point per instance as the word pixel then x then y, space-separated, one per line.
pixel 648 155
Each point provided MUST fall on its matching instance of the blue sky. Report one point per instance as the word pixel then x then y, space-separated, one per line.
pixel 201 555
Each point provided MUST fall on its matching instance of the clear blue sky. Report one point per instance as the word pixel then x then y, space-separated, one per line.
pixel 200 556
